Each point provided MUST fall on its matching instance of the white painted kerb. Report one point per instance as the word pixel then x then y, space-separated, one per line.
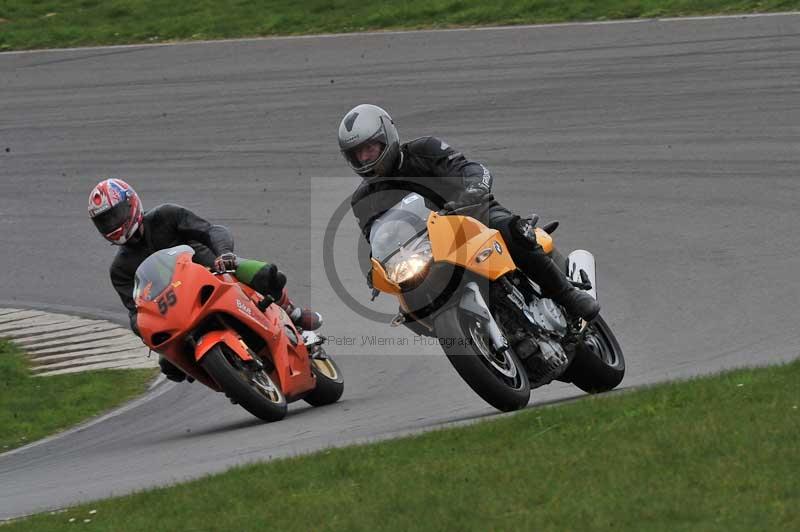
pixel 59 343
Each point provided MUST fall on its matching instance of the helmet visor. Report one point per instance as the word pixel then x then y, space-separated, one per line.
pixel 109 221
pixel 361 157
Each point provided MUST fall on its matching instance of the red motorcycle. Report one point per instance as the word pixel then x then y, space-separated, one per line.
pixel 229 337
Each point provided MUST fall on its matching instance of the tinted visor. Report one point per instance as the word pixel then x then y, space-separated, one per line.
pixel 351 154
pixel 109 221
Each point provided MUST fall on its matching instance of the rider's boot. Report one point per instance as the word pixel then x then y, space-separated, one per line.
pixel 306 319
pixel 170 370
pixel 578 303
pixel 532 259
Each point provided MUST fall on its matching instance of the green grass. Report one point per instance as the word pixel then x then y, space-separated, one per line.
pixel 34 407
pixel 28 24
pixel 717 453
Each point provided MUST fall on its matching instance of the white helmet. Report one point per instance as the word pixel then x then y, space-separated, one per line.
pixel 364 124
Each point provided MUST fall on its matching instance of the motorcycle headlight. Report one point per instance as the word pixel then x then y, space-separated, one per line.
pixel 410 261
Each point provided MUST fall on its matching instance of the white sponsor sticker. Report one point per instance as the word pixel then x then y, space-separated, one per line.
pixel 243 307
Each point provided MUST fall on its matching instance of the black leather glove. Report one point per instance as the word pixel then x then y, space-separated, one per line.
pixel 470 197
pixel 227 262
pixel 526 227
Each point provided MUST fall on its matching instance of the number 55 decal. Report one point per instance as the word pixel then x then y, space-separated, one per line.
pixel 165 301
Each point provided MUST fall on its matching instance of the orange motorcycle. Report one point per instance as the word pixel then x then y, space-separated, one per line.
pixel 229 337
pixel 457 283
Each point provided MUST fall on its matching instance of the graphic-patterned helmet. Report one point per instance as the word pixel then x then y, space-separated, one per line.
pixel 116 210
pixel 366 124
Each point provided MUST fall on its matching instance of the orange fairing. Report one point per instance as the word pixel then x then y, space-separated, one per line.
pixel 381 281
pixel 545 240
pixel 288 352
pixel 466 242
pixel 229 338
pixel 192 297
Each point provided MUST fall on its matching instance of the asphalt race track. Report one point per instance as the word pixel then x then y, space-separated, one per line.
pixel 671 149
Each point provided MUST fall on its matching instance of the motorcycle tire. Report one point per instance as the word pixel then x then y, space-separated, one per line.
pixel 599 365
pixel 330 383
pixel 251 389
pixel 500 380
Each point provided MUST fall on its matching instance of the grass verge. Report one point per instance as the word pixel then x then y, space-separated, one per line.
pixel 34 407
pixel 716 453
pixel 26 24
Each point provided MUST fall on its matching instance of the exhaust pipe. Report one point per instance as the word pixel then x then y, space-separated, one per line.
pixel 579 261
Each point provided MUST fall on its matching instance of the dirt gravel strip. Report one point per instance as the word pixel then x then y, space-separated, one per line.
pixel 60 343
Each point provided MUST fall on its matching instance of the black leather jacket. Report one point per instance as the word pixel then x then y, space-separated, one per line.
pixel 427 166
pixel 166 226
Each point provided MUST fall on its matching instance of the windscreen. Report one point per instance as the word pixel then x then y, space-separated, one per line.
pixel 397 226
pixel 154 275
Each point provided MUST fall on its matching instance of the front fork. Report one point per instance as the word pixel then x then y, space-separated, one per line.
pixel 473 303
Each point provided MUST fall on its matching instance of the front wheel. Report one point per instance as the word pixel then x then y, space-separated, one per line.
pixel 247 386
pixel 599 365
pixel 499 379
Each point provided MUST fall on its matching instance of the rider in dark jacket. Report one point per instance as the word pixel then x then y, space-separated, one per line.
pixel 430 167
pixel 116 211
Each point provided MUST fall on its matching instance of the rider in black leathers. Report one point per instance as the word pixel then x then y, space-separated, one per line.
pixel 370 143
pixel 163 227
pixel 117 212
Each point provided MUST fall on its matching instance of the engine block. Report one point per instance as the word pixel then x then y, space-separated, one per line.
pixel 535 330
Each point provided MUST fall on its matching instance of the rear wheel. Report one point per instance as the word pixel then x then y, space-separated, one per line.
pixel 599 365
pixel 330 383
pixel 252 388
pixel 499 378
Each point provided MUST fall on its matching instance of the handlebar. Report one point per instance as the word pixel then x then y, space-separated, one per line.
pixel 445 212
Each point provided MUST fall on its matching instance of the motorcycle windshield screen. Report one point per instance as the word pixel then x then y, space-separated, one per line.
pixel 154 275
pixel 399 225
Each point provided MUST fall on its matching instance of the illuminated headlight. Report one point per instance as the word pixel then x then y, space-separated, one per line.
pixel 409 261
